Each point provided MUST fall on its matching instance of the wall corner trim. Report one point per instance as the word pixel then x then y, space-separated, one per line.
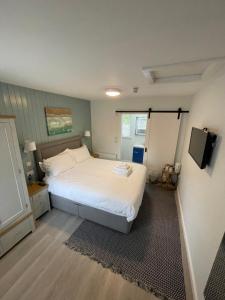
pixel 187 248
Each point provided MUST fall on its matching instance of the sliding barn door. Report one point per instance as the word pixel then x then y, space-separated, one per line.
pixel 163 130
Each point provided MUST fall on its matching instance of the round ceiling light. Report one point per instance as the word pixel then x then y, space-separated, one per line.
pixel 112 92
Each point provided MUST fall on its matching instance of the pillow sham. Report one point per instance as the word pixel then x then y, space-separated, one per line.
pixel 55 165
pixel 52 158
pixel 79 154
pixel 42 167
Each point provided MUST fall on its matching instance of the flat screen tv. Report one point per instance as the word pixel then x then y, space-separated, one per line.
pixel 201 146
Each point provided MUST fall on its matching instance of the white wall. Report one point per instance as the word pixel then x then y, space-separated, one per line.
pixel 202 192
pixel 106 123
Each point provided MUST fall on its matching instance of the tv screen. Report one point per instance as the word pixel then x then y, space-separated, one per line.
pixel 198 147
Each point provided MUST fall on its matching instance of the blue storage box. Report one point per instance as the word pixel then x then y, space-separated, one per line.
pixel 138 154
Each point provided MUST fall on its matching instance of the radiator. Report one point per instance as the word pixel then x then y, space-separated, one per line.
pixel 105 155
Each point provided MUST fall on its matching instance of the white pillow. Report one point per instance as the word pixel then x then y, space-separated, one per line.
pixel 55 165
pixel 52 158
pixel 44 166
pixel 79 154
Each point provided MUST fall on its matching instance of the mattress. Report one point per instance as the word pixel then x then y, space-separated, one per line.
pixel 94 183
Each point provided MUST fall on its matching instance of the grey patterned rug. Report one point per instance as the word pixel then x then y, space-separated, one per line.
pixel 150 255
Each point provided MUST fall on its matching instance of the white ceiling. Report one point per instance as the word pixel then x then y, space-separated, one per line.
pixel 80 47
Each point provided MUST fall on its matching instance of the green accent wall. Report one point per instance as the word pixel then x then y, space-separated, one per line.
pixel 28 107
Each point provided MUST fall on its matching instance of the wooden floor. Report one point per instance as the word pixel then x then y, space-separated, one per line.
pixel 41 267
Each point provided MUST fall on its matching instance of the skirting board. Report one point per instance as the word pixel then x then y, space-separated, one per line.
pixel 187 248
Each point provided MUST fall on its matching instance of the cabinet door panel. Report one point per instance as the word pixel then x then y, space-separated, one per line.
pixel 12 198
pixel 40 203
pixel 44 200
pixel 36 206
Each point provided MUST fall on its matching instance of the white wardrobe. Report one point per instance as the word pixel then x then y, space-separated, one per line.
pixel 16 219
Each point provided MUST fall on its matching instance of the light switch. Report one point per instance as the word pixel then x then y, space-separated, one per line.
pixel 28 164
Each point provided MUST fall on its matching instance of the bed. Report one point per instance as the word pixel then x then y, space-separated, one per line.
pixel 91 190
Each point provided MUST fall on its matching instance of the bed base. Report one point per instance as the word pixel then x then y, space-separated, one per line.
pixel 112 221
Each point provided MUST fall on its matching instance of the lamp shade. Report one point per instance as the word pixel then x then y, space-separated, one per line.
pixel 29 146
pixel 87 133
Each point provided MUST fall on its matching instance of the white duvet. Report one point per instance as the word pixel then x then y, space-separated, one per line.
pixel 93 183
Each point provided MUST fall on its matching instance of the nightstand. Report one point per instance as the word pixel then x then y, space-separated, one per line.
pixel 39 199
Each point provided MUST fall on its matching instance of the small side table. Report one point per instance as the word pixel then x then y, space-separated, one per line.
pixel 39 199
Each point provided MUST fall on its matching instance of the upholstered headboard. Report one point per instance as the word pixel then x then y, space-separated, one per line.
pixel 49 149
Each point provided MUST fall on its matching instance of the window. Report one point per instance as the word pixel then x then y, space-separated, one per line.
pixel 126 125
pixel 141 124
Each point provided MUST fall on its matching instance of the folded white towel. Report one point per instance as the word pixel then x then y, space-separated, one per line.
pixel 123 166
pixel 122 172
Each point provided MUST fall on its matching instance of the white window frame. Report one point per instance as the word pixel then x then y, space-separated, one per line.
pixel 138 125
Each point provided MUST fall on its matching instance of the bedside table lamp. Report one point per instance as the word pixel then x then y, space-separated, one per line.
pixel 29 146
pixel 87 133
pixel 86 139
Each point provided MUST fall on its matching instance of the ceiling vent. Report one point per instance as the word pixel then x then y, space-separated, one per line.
pixel 180 72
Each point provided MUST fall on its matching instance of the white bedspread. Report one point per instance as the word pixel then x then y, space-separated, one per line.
pixel 93 183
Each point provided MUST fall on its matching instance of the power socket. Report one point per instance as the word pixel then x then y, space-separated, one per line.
pixel 29 176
